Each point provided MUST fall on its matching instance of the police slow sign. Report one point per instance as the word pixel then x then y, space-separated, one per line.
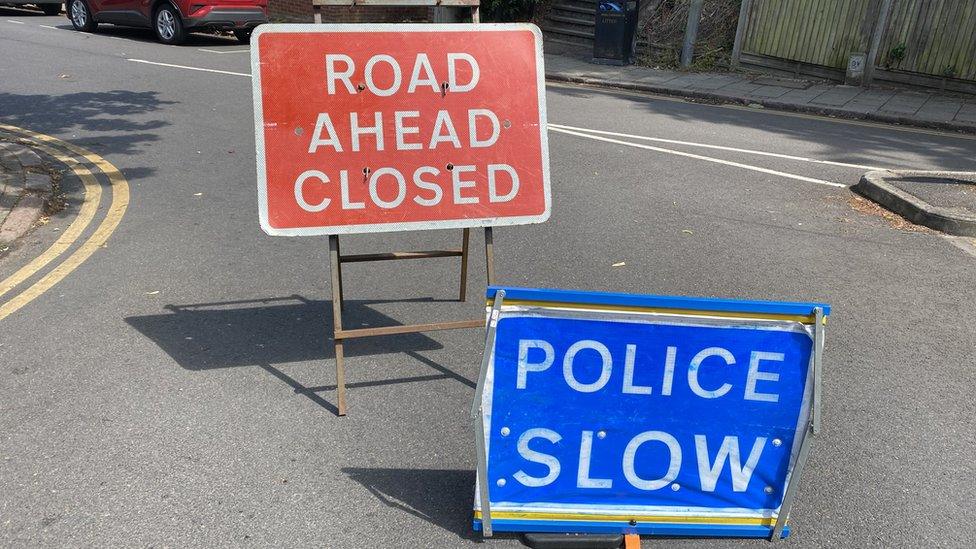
pixel 369 128
pixel 644 414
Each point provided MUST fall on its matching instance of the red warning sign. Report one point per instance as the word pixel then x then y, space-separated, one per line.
pixel 371 128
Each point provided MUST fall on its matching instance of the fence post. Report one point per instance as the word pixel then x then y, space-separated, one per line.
pixel 691 32
pixel 876 34
pixel 740 32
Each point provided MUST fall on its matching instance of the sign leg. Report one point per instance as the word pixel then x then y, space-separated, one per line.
pixel 337 322
pixel 477 413
pixel 338 264
pixel 318 14
pixel 490 255
pixel 462 295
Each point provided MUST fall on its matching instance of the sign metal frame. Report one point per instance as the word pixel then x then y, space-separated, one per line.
pixel 808 313
pixel 455 223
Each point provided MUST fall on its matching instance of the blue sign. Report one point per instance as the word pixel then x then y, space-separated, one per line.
pixel 643 414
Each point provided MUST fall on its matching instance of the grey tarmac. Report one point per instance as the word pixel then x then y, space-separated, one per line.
pixel 177 389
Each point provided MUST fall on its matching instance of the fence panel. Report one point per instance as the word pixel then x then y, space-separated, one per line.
pixel 819 32
pixel 931 37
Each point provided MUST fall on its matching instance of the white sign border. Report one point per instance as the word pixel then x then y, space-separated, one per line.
pixel 409 225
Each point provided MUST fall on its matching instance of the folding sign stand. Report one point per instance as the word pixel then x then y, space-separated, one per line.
pixel 336 259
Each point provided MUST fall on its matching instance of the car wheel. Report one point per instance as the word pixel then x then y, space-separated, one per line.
pixel 168 25
pixel 50 9
pixel 243 35
pixel 81 17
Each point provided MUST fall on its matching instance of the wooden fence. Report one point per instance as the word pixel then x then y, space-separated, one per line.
pixel 818 32
pixel 927 42
pixel 933 37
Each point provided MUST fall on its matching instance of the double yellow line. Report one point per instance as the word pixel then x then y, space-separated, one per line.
pixel 69 155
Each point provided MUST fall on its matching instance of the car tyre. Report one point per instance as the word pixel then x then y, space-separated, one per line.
pixel 50 9
pixel 80 16
pixel 243 35
pixel 168 25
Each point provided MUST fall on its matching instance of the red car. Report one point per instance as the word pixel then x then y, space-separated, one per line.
pixel 171 19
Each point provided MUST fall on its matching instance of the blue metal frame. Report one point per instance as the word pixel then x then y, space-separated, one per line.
pixel 722 305
pixel 647 528
pixel 815 311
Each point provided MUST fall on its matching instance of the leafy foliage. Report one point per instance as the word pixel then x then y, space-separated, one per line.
pixel 897 53
pixel 503 11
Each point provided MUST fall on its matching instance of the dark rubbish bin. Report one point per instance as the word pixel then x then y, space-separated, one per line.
pixel 613 39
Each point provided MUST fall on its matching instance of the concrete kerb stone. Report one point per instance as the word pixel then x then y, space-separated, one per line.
pixel 770 103
pixel 875 186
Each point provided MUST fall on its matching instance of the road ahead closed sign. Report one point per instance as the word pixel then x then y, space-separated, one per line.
pixel 644 414
pixel 369 128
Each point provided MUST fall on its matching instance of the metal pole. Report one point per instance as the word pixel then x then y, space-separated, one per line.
pixel 342 306
pixel 818 345
pixel 490 255
pixel 740 32
pixel 793 486
pixel 462 295
pixel 479 417
pixel 691 32
pixel 812 428
pixel 876 35
pixel 337 323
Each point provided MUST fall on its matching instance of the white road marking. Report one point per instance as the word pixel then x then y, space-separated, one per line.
pixel 188 68
pixel 49 27
pixel 965 244
pixel 221 52
pixel 13 21
pixel 700 157
pixel 722 148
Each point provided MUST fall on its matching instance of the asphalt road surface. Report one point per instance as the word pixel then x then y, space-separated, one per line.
pixel 177 388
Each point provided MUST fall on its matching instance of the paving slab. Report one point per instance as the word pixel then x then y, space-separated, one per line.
pixel 742 87
pixel 837 96
pixel 37 182
pixel 875 95
pixel 801 97
pixel 941 110
pixel 905 103
pixel 967 114
pixel 716 82
pixel 771 91
pixel 686 81
pixel 27 210
pixel 655 78
pixel 784 82
pixel 27 157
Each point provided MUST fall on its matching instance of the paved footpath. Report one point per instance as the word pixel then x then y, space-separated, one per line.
pixel 23 190
pixel 931 109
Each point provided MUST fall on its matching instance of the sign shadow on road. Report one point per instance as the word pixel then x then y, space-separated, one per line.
pixel 276 331
pixel 441 497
